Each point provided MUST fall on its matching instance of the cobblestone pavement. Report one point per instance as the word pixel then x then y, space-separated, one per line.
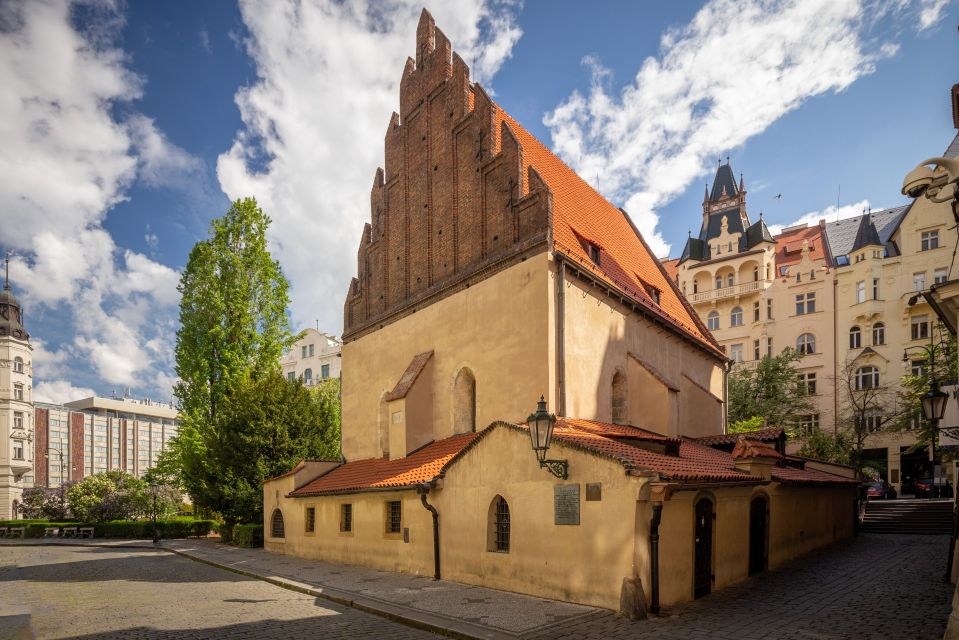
pixel 93 592
pixel 877 587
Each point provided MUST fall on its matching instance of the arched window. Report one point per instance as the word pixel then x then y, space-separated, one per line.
pixel 712 320
pixel 308 376
pixel 878 333
pixel 18 365
pixel 719 282
pixel 736 317
pixel 276 524
pixel 619 397
pixel 464 402
pixel 806 344
pixel 867 378
pixel 855 338
pixel 497 538
pixel 730 280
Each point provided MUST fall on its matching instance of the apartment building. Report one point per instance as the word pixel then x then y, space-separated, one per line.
pixel 314 357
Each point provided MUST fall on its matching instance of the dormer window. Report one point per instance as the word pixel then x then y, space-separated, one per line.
pixel 593 253
pixel 653 292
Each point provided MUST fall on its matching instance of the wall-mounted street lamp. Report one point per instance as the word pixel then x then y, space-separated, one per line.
pixel 541 435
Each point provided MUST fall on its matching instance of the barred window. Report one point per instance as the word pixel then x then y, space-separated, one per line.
pixel 276 524
pixel 394 516
pixel 498 539
pixel 346 517
pixel 310 519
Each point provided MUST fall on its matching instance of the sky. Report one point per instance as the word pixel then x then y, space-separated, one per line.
pixel 127 127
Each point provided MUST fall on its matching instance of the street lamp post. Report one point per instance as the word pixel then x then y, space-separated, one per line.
pixel 933 402
pixel 541 436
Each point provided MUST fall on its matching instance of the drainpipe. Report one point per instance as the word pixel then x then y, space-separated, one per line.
pixel 423 490
pixel 560 338
pixel 654 555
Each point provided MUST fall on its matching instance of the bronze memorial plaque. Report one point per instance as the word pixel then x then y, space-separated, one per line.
pixel 594 491
pixel 566 504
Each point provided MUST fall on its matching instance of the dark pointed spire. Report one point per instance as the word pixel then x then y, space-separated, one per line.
pixel 742 184
pixel 866 235
pixel 6 277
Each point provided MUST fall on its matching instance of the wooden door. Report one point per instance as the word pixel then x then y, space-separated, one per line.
pixel 704 548
pixel 758 532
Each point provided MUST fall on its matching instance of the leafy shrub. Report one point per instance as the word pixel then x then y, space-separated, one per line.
pixel 248 535
pixel 45 504
pixel 113 495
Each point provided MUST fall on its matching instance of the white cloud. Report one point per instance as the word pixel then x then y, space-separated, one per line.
pixel 715 84
pixel 314 121
pixel 930 12
pixel 68 158
pixel 829 214
pixel 59 391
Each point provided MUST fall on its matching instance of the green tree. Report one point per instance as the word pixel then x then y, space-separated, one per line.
pixel 233 329
pixel 44 503
pixel 112 495
pixel 828 447
pixel 745 426
pixel 936 363
pixel 268 426
pixel 771 390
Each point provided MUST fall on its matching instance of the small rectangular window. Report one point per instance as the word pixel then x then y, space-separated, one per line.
pixel 769 309
pixel 311 350
pixel 875 288
pixel 18 449
pixel 808 382
pixel 919 281
pixel 325 371
pixel 346 518
pixel 860 292
pixel 394 516
pixel 736 352
pixel 291 376
pixel 756 311
pixel 17 391
pixel 769 347
pixel 757 354
pixel 18 420
pixel 805 303
pixel 303 352
pixel 593 253
pixel 310 519
pixel 930 240
pixel 940 275
pixel 920 327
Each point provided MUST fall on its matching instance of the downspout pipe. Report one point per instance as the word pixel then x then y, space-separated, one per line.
pixel 654 556
pixel 423 490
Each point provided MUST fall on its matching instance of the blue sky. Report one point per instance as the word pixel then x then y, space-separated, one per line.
pixel 127 127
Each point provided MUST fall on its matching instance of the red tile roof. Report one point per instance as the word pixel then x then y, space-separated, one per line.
pixel 789 245
pixel 792 475
pixel 581 215
pixel 762 435
pixel 753 449
pixel 379 473
pixel 413 371
pixel 672 269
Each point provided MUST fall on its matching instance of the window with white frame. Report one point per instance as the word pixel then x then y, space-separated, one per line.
pixel 311 350
pixel 939 275
pixel 719 283
pixel 878 334
pixel 18 419
pixel 808 424
pixel 808 383
pixel 769 347
pixel 769 309
pixel 806 344
pixel 757 352
pixel 756 311
pixel 917 368
pixel 18 365
pixel 324 371
pixel 308 376
pixel 712 320
pixel 18 449
pixel 867 378
pixel 919 281
pixel 730 281
pixel 875 288
pixel 919 329
pixel 869 423
pixel 861 291
pixel 736 352
pixel 303 351
pixel 805 303
pixel 291 376
pixel 929 240
pixel 736 317
pixel 855 338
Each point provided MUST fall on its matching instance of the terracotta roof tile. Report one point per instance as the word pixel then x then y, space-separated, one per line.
pixel 409 376
pixel 581 213
pixel 672 268
pixel 762 435
pixel 375 473
pixel 746 448
pixel 789 245
pixel 792 475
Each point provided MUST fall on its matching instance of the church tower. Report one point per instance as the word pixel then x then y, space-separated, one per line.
pixel 16 403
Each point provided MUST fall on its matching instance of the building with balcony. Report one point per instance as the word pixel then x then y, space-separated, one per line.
pixel 314 357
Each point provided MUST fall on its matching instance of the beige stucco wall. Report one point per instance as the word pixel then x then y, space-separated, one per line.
pixel 15 475
pixel 583 563
pixel 499 328
pixel 600 335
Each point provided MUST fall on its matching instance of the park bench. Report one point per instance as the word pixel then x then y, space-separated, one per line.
pixel 86 532
pixel 51 532
pixel 69 532
pixel 16 532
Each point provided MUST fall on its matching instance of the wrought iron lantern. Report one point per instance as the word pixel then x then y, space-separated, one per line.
pixel 541 425
pixel 934 403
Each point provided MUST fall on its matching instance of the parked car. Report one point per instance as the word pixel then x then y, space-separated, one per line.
pixel 879 490
pixel 938 491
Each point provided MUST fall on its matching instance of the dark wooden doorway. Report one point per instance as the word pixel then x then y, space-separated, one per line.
pixel 703 581
pixel 758 534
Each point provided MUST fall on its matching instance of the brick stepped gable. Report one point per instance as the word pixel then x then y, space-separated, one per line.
pixel 925 517
pixel 453 200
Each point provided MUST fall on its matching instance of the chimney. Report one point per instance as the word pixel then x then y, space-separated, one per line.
pixel 755 458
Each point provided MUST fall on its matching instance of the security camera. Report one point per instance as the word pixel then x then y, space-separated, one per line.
pixel 917 181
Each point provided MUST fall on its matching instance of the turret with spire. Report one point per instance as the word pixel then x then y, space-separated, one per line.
pixel 11 312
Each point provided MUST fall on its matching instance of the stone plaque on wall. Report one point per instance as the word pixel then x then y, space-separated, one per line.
pixel 594 491
pixel 566 504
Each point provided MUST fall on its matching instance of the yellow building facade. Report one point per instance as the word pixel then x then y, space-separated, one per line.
pixel 490 276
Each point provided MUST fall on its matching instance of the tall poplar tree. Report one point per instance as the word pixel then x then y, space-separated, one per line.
pixel 233 330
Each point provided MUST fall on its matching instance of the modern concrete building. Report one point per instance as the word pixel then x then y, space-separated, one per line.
pixel 314 357
pixel 16 403
pixel 490 276
pixel 93 435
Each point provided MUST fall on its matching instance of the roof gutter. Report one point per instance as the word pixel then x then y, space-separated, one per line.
pixel 344 492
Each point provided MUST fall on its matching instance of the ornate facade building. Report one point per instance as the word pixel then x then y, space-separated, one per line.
pixel 844 293
pixel 490 276
pixel 314 357
pixel 16 403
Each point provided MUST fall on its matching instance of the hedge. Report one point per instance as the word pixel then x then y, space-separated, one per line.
pixel 178 528
pixel 248 535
